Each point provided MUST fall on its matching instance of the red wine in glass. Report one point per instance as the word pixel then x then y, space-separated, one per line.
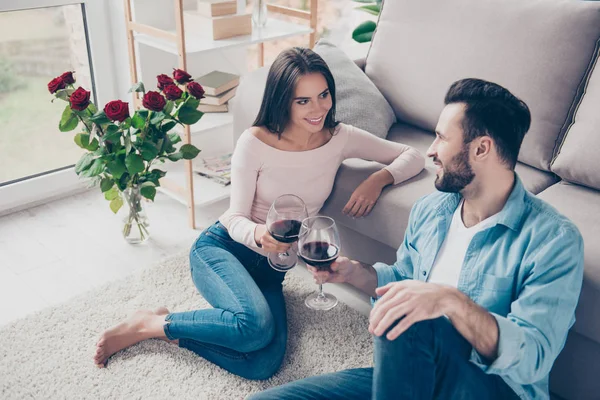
pixel 319 254
pixel 285 231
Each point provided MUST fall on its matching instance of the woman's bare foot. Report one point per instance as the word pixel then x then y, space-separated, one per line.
pixel 142 325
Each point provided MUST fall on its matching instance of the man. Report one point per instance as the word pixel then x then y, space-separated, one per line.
pixel 484 289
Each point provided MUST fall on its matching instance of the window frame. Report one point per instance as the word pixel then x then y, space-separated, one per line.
pixel 48 185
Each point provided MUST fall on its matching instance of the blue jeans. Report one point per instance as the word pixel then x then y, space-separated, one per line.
pixel 246 331
pixel 429 361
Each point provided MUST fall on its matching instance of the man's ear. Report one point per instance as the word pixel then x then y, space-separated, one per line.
pixel 483 147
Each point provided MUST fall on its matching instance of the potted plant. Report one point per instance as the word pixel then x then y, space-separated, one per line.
pixel 122 151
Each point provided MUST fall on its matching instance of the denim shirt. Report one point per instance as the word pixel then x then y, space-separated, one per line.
pixel 526 270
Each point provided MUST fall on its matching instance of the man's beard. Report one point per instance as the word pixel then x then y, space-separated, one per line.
pixel 458 174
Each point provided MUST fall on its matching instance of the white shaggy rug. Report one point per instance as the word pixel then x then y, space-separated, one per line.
pixel 48 355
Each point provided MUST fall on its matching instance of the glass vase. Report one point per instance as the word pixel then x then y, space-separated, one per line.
pixel 135 220
pixel 259 13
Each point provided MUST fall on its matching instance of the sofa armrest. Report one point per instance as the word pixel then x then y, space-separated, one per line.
pixel 361 62
pixel 246 103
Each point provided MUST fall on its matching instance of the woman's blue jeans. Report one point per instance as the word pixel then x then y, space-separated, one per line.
pixel 246 331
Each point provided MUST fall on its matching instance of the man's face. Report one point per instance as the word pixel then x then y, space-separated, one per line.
pixel 449 153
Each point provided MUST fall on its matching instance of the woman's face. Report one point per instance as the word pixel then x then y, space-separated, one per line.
pixel 311 103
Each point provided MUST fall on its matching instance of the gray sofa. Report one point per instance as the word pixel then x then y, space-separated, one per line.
pixel 544 51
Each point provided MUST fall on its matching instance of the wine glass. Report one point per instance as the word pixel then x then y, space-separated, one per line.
pixel 283 223
pixel 319 246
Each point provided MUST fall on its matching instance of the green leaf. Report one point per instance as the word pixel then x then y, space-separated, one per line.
pixel 94 145
pixel 100 118
pixel 134 164
pixel 189 115
pixel 64 94
pixel 84 163
pixel 111 193
pixel 92 108
pixel 117 167
pixel 68 120
pixel 138 121
pixel 82 140
pixel 191 102
pixel 364 32
pixel 155 175
pixel 189 151
pixel 175 156
pixel 169 107
pixel 157 118
pixel 116 204
pixel 95 169
pixel 374 9
pixel 123 181
pixel 149 151
pixel 138 87
pixel 148 190
pixel 106 184
pixel 174 138
pixel 166 127
pixel 112 134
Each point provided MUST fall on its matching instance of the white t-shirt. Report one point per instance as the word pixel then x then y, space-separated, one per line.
pixel 448 262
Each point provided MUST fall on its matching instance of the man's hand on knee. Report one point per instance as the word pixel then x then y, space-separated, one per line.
pixel 409 301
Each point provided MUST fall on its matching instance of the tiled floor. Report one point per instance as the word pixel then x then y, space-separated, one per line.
pixel 53 252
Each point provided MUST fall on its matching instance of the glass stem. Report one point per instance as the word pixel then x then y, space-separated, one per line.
pixel 321 295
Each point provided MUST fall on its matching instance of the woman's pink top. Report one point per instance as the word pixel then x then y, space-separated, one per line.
pixel 261 173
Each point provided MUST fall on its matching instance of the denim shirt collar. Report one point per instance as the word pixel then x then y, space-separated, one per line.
pixel 511 214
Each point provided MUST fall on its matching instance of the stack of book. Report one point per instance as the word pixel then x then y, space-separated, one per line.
pixel 217 169
pixel 219 88
pixel 218 19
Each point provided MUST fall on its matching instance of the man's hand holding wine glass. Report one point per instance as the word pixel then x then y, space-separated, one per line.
pixel 341 271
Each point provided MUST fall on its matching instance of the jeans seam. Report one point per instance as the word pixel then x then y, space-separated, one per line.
pixel 209 347
pixel 219 277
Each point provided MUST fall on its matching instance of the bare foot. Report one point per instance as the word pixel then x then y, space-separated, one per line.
pixel 142 325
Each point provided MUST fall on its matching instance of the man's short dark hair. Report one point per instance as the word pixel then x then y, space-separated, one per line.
pixel 491 110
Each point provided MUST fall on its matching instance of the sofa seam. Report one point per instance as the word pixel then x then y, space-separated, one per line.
pixel 573 110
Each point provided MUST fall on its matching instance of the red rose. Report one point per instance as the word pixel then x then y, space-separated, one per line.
pixel 181 76
pixel 80 99
pixel 172 92
pixel 164 81
pixel 56 84
pixel 195 90
pixel 154 101
pixel 117 110
pixel 67 78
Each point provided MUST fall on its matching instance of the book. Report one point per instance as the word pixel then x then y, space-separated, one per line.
pixel 217 168
pixel 207 108
pixel 216 8
pixel 217 82
pixel 220 99
pixel 217 28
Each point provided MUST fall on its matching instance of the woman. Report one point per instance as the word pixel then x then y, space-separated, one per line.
pixel 295 146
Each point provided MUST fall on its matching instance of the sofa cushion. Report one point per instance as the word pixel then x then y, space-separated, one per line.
pixel 582 206
pixel 387 222
pixel 539 49
pixel 576 159
pixel 353 91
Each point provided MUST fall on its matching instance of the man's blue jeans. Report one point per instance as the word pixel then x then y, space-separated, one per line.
pixel 246 331
pixel 429 361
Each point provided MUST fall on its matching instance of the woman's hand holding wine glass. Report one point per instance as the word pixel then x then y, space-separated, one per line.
pixel 263 238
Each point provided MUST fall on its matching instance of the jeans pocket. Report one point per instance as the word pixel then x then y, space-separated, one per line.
pixel 219 232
